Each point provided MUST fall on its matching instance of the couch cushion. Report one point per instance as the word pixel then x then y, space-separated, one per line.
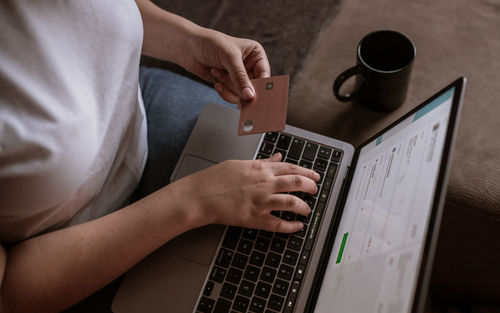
pixel 452 39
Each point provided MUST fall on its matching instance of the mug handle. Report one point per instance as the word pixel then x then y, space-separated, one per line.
pixel 355 70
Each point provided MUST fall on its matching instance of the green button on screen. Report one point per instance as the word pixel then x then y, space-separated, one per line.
pixel 342 245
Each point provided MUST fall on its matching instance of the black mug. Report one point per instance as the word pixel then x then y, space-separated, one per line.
pixel 384 63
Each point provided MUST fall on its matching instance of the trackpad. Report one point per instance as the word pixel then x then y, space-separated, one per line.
pixel 197 245
pixel 191 164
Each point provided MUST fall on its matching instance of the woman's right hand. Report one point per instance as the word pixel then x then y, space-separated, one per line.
pixel 243 193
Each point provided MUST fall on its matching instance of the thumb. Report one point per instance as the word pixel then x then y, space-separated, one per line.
pixel 240 80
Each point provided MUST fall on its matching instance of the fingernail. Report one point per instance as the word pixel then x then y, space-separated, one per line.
pixel 316 176
pixel 248 93
pixel 301 226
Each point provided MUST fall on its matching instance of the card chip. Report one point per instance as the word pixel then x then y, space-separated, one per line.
pixel 269 85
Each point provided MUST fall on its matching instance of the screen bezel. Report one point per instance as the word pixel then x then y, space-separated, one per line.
pixel 419 299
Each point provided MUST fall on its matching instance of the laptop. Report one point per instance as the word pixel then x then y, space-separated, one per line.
pixel 367 246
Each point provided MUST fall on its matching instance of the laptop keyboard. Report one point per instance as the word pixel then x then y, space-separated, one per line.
pixel 260 271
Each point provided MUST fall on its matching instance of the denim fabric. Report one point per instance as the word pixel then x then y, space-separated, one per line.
pixel 172 103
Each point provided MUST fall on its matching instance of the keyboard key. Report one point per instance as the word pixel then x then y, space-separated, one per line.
pixel 218 274
pixel 310 200
pixel 240 260
pixel 304 257
pixel 304 219
pixel 337 155
pixel 306 164
pixel 224 257
pixel 262 244
pixel 302 232
pixel 321 176
pixel 266 148
pixel 265 233
pixel 234 275
pixel 295 243
pixel 257 305
pixel 292 161
pixel 228 291
pixel 324 152
pixel 206 305
pixel 318 189
pixel 278 245
pixel 288 216
pixel 284 142
pixel 252 273
pixel 232 237
pixel 273 259
pixel 208 288
pixel 284 236
pixel 246 288
pixel 283 153
pixel 310 151
pixel 320 165
pixel 292 296
pixel 299 273
pixel 285 272
pixel 261 156
pixel 257 258
pixel 280 287
pixel 268 274
pixel 240 304
pixel 323 195
pixel 263 289
pixel 296 148
pixel 276 302
pixel 328 183
pixel 222 306
pixel 250 233
pixel 245 246
pixel 271 137
pixel 290 257
pixel 332 169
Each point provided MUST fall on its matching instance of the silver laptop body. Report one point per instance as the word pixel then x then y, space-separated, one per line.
pixel 174 278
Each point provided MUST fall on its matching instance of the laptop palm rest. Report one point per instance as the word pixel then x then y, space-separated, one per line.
pixel 170 279
pixel 197 245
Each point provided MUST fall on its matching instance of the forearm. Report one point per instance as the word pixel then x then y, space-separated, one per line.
pixel 56 270
pixel 164 33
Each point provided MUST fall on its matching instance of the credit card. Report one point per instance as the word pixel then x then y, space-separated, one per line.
pixel 267 111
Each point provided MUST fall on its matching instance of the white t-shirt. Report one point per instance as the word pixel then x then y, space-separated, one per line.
pixel 72 124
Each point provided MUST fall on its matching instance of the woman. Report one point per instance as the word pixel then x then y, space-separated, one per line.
pixel 74 142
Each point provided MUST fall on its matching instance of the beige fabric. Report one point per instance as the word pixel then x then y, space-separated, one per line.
pixel 453 38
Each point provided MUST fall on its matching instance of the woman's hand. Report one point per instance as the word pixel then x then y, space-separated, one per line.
pixel 243 193
pixel 228 62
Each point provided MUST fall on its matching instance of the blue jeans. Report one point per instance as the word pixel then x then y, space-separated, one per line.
pixel 173 103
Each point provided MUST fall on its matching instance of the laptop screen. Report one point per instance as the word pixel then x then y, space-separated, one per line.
pixel 374 264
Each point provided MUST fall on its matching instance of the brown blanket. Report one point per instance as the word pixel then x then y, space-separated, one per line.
pixel 453 38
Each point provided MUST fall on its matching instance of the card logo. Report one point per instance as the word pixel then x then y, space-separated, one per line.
pixel 269 85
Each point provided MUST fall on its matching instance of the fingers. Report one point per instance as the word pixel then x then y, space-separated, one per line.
pixel 285 202
pixel 276 224
pixel 226 94
pixel 290 183
pixel 274 158
pixel 239 77
pixel 262 69
pixel 285 168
